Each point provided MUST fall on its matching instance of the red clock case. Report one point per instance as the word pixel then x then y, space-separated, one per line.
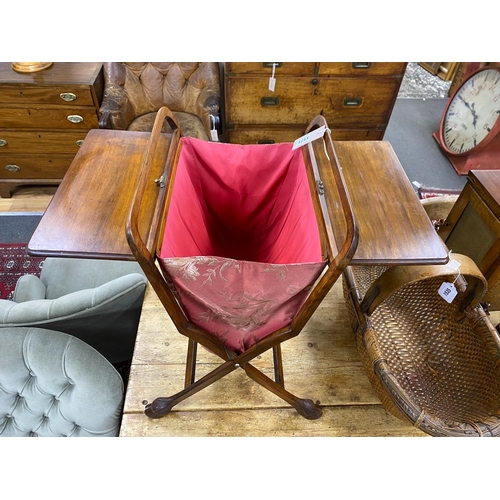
pixel 486 155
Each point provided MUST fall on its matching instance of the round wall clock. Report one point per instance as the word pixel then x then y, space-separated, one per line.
pixel 469 133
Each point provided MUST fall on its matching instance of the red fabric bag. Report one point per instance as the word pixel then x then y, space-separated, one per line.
pixel 241 244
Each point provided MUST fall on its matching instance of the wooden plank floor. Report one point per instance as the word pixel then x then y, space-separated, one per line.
pixel 321 363
pixel 28 199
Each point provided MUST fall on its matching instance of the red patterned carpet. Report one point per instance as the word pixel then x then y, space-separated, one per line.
pixel 424 193
pixel 14 263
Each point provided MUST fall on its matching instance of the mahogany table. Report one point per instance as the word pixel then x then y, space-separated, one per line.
pixel 87 215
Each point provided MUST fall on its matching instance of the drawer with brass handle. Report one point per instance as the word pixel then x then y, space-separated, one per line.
pixel 41 141
pixel 48 118
pixel 44 119
pixel 247 135
pixel 61 96
pixel 355 102
pixel 29 167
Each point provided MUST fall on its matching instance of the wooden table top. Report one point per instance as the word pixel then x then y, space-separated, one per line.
pixel 71 73
pixel 393 226
pixel 87 216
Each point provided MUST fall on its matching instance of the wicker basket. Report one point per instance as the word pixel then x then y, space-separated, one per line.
pixel 430 362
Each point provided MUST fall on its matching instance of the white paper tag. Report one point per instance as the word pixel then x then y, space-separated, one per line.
pixel 272 79
pixel 214 135
pixel 448 292
pixel 311 136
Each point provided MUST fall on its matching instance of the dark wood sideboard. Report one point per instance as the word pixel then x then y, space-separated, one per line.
pixel 44 118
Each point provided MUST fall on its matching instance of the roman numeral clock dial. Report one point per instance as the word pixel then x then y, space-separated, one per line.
pixel 469 133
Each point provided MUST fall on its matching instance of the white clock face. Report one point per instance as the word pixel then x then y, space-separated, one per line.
pixel 473 112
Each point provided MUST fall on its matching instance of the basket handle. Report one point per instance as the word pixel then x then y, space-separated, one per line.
pixel 396 277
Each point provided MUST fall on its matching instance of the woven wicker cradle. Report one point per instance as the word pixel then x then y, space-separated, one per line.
pixel 430 362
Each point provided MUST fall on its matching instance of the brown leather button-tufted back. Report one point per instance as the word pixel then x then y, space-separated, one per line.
pixel 175 85
pixel 135 89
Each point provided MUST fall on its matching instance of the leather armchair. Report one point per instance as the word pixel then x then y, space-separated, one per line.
pixel 97 301
pixel 134 92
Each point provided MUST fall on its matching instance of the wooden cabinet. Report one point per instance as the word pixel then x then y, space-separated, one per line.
pixel 472 227
pixel 444 70
pixel 355 98
pixel 44 118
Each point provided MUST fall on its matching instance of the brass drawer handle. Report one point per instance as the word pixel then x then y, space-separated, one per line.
pixel 270 64
pixel 3 142
pixel 79 142
pixel 12 168
pixel 75 118
pixel 269 101
pixel 67 96
pixel 361 65
pixel 352 102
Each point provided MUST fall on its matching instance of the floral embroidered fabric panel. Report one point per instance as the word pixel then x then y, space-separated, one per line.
pixel 240 302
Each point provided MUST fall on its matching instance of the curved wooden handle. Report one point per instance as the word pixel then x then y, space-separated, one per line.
pixel 331 199
pixel 396 277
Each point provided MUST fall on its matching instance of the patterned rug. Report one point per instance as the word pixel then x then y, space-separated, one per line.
pixel 424 193
pixel 14 263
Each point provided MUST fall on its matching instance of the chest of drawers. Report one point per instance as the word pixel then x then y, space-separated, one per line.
pixel 44 118
pixel 472 228
pixel 355 98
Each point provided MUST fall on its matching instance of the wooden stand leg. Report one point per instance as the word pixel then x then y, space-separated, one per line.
pixel 278 366
pixel 191 363
pixel 162 406
pixel 305 407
